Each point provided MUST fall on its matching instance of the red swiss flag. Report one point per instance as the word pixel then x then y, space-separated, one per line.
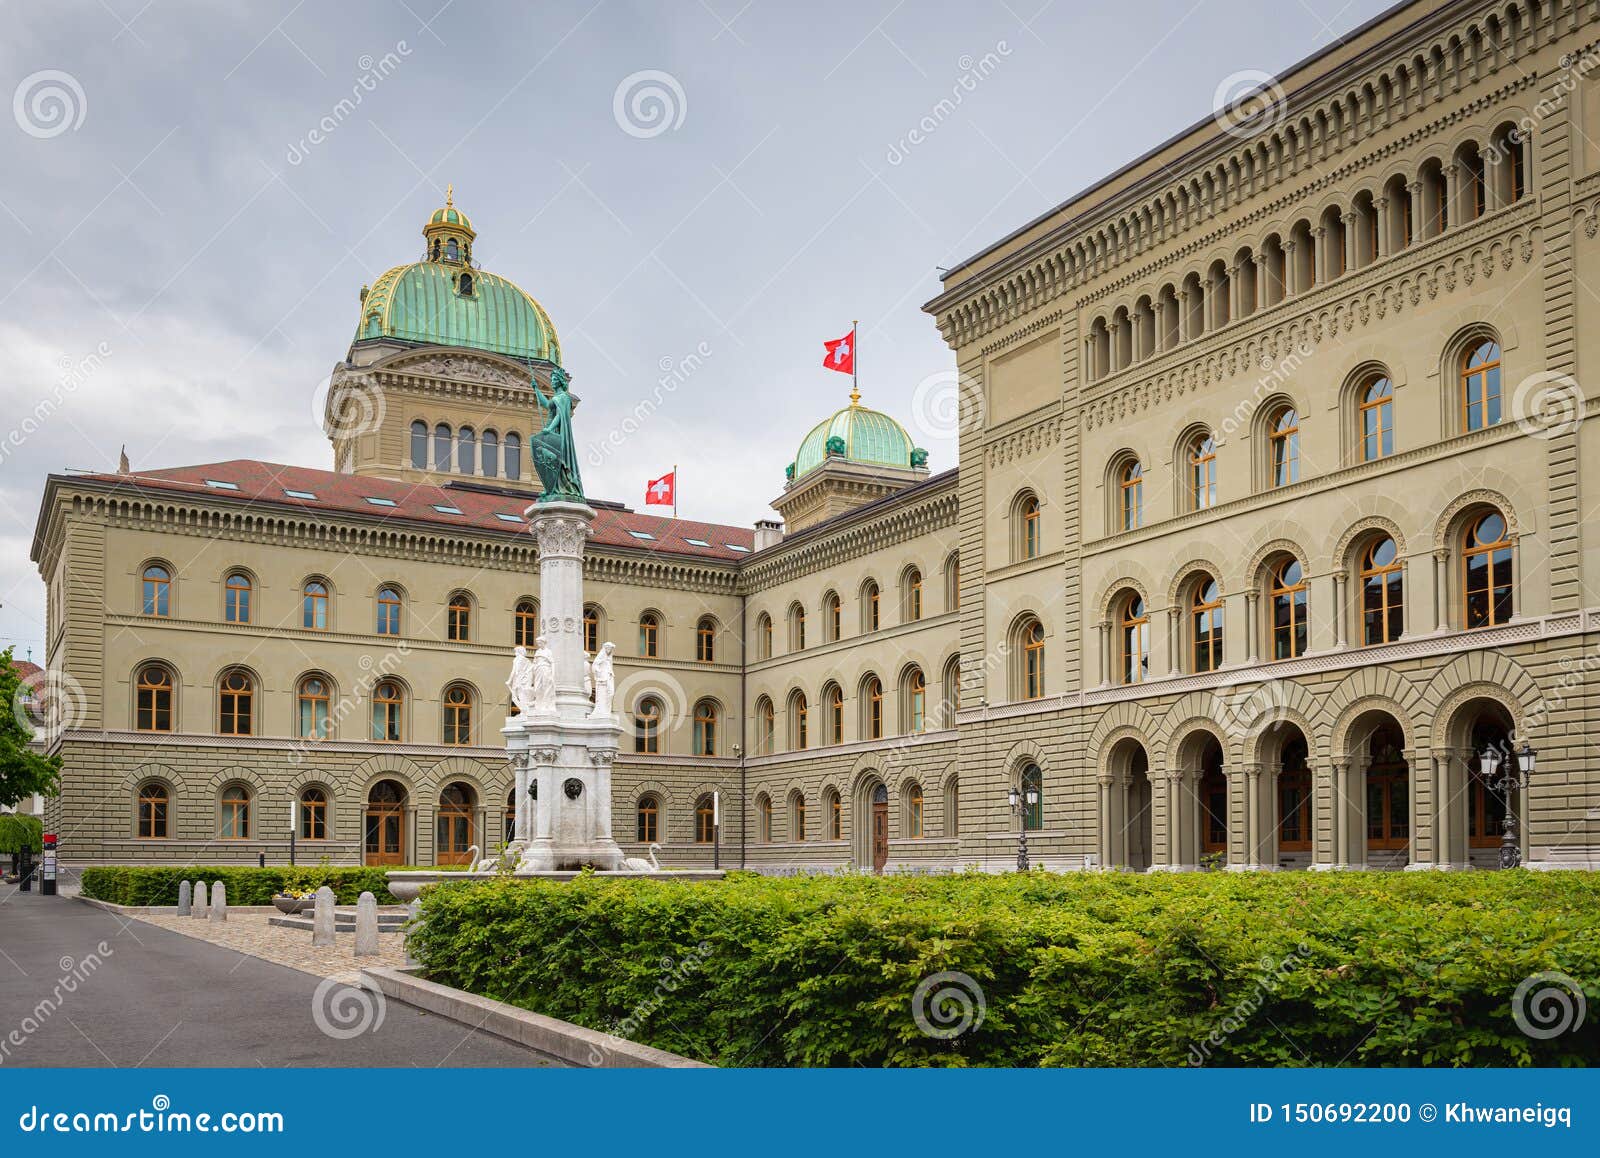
pixel 658 492
pixel 841 355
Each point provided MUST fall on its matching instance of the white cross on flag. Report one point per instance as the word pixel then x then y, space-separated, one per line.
pixel 841 355
pixel 659 491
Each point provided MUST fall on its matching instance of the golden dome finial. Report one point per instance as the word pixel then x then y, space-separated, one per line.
pixel 855 396
pixel 450 196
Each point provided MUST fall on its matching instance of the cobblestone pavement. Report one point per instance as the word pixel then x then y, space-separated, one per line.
pixel 249 933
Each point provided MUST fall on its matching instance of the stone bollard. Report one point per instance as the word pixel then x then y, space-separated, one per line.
pixel 322 919
pixel 413 912
pixel 219 903
pixel 185 897
pixel 366 925
pixel 200 902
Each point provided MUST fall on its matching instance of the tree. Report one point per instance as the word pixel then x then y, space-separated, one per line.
pixel 22 770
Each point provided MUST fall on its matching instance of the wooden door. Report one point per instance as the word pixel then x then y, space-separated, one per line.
pixel 385 836
pixel 880 835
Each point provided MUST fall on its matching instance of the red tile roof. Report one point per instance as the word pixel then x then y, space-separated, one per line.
pixel 25 668
pixel 269 482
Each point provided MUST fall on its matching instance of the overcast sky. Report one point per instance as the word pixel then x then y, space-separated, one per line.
pixel 192 195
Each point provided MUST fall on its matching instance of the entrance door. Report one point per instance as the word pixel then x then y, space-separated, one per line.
pixel 880 828
pixel 385 829
pixel 1388 793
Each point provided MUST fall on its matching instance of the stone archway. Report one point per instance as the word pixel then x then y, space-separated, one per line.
pixel 1127 807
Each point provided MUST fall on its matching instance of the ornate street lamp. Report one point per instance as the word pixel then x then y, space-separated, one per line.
pixel 1514 773
pixel 1021 804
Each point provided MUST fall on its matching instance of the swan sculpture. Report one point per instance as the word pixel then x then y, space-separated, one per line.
pixel 639 865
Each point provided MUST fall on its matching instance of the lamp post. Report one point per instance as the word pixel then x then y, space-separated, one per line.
pixel 1021 803
pixel 1515 770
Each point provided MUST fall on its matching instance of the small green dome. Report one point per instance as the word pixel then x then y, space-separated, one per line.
pixel 866 436
pixel 450 216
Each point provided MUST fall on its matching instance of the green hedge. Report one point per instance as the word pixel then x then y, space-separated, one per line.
pixel 1288 969
pixel 18 832
pixel 158 884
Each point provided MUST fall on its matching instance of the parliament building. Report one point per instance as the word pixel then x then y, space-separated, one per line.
pixel 1267 546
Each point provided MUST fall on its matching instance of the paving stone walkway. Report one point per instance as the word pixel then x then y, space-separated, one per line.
pixel 250 933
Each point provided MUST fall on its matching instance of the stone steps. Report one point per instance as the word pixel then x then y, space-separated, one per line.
pixel 344 921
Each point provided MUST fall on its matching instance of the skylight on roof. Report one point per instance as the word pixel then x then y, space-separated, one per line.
pixel 696 542
pixel 293 494
pixel 380 502
pixel 736 547
pixel 446 509
pixel 505 518
pixel 222 486
pixel 642 535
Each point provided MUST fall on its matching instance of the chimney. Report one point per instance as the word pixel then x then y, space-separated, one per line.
pixel 769 533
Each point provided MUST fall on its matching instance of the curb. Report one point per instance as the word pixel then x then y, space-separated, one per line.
pixel 574 1044
pixel 161 910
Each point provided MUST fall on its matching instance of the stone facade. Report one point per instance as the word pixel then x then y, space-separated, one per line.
pixel 1353 320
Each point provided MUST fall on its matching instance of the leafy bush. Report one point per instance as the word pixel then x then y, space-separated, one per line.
pixel 20 832
pixel 1286 969
pixel 246 885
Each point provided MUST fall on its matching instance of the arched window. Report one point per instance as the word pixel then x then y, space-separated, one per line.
pixel 157 591
pixel 458 618
pixel 1377 419
pixel 1032 783
pixel 765 726
pixel 705 728
pixel 236 598
pixel 443 447
pixel 419 445
pixel 453 825
pixel 952 807
pixel 314 605
pixel 1480 385
pixel 235 813
pixel 512 451
pixel 916 702
pixel 1284 438
pixel 510 829
pixel 705 640
pixel 705 819
pixel 465 285
pixel 799 722
pixel 913 594
pixel 647 726
pixel 1134 625
pixel 1288 595
pixel 872 696
pixel 313 814
pixel 153 702
pixel 952 582
pixel 457 716
pixel 491 454
pixel 388 704
pixel 832 617
pixel 388 611
pixel 1382 581
pixel 797 628
pixel 647 822
pixel 763 636
pixel 1486 569
pixel 1130 496
pixel 467 450
pixel 833 813
pixel 764 819
pixel 649 634
pixel 1031 636
pixel 797 816
pixel 833 705
pixel 153 818
pixel 1202 472
pixel 591 628
pixel 236 704
pixel 1027 515
pixel 1205 612
pixel 525 627
pixel 311 699
pixel 871 599
pixel 914 811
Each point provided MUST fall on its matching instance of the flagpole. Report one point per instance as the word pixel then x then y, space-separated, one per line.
pixel 674 492
pixel 855 364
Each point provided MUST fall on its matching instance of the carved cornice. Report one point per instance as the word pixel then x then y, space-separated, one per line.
pixel 1030 440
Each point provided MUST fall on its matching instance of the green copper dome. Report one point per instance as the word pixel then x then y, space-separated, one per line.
pixel 444 300
pixel 866 436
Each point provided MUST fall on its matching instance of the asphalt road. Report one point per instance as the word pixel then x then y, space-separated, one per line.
pixel 81 986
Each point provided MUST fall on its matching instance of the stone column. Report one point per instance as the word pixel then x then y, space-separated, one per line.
pixel 1319 256
pixel 1380 228
pixel 1290 271
pixel 1351 244
pixel 1453 214
pixel 1263 281
pixel 1174 640
pixel 1252 606
pixel 1324 818
pixel 1341 610
pixel 1341 814
pixel 1107 639
pixel 1107 824
pixel 1441 590
pixel 1419 212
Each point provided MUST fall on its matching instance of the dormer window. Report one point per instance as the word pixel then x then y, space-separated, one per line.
pixel 465 285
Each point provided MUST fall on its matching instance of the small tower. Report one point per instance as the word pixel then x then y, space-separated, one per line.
pixel 855 456
pixel 449 234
